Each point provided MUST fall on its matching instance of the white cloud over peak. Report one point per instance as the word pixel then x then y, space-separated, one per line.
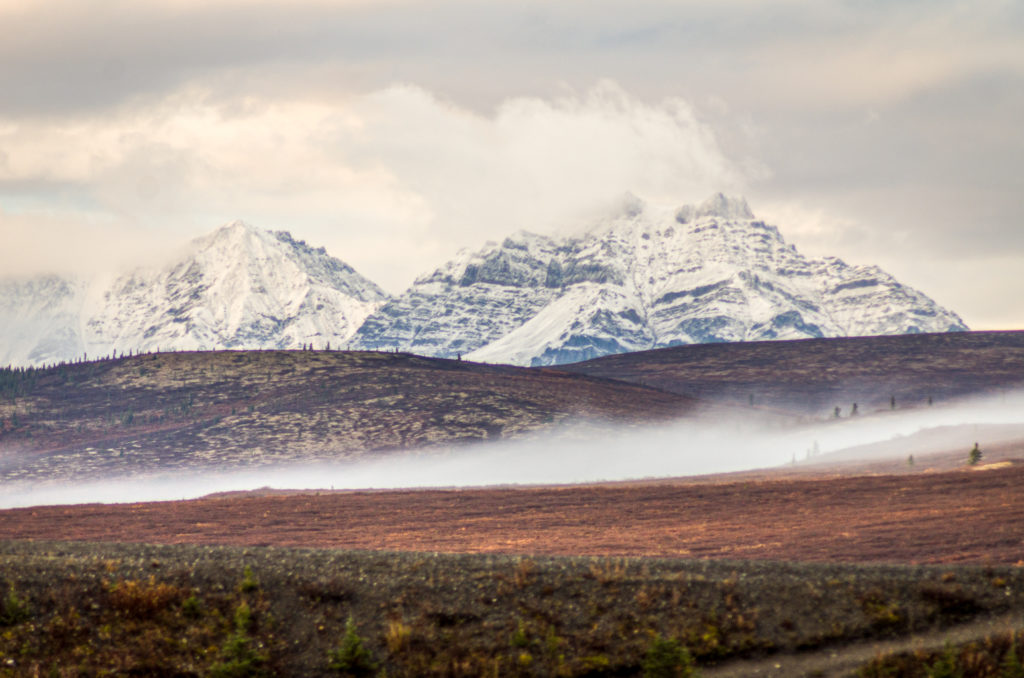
pixel 385 179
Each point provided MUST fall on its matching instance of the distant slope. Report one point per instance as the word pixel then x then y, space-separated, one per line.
pixel 251 408
pixel 816 375
pixel 644 277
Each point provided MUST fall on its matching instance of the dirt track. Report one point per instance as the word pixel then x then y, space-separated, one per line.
pixel 958 516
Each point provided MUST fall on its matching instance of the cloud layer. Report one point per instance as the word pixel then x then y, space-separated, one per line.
pixel 391 175
pixel 396 131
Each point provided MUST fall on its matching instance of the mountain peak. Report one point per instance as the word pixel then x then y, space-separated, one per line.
pixel 228 235
pixel 631 205
pixel 729 207
pixel 235 226
pixel 643 277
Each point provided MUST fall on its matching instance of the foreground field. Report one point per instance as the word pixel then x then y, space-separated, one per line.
pixel 88 609
pixel 495 604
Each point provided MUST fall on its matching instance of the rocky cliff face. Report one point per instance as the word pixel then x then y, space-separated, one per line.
pixel 643 278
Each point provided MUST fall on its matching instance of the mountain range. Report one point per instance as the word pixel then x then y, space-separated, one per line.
pixel 642 277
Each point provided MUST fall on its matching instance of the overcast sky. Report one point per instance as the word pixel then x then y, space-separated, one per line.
pixel 396 132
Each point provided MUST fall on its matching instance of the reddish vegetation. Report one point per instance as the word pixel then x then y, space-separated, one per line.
pixel 916 516
pixel 222 409
pixel 815 375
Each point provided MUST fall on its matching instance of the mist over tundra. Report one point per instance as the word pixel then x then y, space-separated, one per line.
pixel 713 443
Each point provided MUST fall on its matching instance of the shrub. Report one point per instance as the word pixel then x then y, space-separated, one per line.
pixel 397 636
pixel 524 569
pixel 609 570
pixel 192 608
pixel 14 609
pixel 142 599
pixel 351 657
pixel 666 658
pixel 519 638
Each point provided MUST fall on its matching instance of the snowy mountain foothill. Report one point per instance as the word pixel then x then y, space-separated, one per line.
pixel 643 277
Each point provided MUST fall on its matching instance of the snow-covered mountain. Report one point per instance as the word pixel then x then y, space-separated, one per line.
pixel 238 287
pixel 643 278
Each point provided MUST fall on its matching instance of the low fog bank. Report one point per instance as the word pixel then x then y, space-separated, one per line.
pixel 584 454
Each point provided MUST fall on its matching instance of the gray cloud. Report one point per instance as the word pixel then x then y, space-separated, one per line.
pixel 62 55
pixel 899 120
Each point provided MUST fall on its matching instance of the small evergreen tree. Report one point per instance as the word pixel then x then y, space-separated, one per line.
pixel 974 456
pixel 351 658
pixel 238 657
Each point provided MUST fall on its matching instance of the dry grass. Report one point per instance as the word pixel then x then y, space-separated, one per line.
pixel 438 615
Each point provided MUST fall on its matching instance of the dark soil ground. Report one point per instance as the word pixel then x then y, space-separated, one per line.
pixel 118 609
